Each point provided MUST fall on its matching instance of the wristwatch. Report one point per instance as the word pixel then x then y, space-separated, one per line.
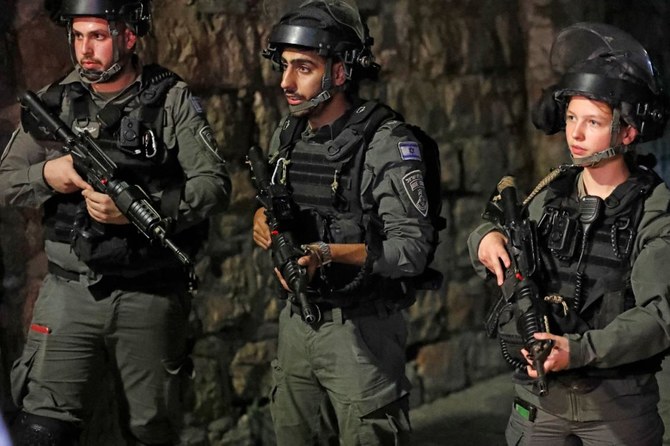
pixel 326 255
pixel 321 250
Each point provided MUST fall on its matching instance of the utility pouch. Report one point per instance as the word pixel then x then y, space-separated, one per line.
pixel 511 341
pixel 525 409
pixel 562 239
pixel 95 247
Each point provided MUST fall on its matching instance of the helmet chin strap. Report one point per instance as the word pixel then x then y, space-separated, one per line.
pixel 324 96
pixel 95 76
pixel 596 158
pixel 613 150
pixel 327 91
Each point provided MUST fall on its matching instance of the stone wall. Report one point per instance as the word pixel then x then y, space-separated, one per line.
pixel 464 70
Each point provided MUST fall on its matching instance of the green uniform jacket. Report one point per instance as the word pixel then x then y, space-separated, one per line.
pixel 207 186
pixel 639 333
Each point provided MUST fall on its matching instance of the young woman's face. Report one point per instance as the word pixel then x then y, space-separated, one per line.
pixel 588 125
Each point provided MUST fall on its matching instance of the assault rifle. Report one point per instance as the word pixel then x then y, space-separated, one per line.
pixel 522 246
pixel 100 172
pixel 278 212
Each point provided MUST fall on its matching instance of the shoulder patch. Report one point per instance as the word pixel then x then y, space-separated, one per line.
pixel 196 103
pixel 409 150
pixel 207 135
pixel 416 191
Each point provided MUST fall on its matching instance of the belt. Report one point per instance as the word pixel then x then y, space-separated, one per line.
pixel 57 270
pixel 371 308
pixel 159 280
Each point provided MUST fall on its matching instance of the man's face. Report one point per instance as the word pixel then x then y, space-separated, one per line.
pixel 94 45
pixel 302 75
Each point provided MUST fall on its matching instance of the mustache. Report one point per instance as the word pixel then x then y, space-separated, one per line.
pixel 292 94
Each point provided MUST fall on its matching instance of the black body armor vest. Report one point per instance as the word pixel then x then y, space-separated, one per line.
pixel 325 181
pixel 588 266
pixel 133 140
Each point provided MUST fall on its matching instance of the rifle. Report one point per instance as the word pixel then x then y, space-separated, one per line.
pixel 279 211
pixel 100 171
pixel 522 246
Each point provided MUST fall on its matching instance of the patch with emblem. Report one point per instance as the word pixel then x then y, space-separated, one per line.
pixel 409 150
pixel 207 135
pixel 416 191
pixel 196 103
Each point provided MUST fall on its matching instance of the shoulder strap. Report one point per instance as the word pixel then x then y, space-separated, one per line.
pixel 364 122
pixel 360 128
pixel 290 132
pixel 53 95
pixel 559 184
pixel 157 82
pixel 367 118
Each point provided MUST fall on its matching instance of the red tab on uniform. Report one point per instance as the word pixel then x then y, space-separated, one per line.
pixel 40 328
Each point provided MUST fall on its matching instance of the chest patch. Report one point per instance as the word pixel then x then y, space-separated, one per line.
pixel 416 191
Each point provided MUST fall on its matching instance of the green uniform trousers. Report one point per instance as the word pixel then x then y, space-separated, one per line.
pixel 549 430
pixel 356 365
pixel 74 334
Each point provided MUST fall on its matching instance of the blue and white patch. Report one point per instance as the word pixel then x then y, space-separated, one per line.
pixel 196 103
pixel 409 150
pixel 416 191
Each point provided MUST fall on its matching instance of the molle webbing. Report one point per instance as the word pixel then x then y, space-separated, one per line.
pixel 312 176
pixel 605 267
pixel 327 176
pixel 603 270
pixel 325 182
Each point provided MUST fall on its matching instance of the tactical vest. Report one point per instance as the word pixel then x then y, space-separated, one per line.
pixel 589 267
pixel 325 182
pixel 133 139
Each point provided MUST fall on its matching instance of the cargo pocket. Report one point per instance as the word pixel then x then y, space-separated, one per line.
pixel 516 426
pixel 277 377
pixel 400 428
pixel 388 425
pixel 21 370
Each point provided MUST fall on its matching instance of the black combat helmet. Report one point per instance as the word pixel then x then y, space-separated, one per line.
pixel 335 30
pixel 603 63
pixel 135 14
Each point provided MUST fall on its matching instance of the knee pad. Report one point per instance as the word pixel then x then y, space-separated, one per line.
pixel 35 430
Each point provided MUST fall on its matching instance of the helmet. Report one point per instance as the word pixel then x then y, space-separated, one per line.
pixel 603 63
pixel 334 29
pixel 136 14
pixel 331 27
